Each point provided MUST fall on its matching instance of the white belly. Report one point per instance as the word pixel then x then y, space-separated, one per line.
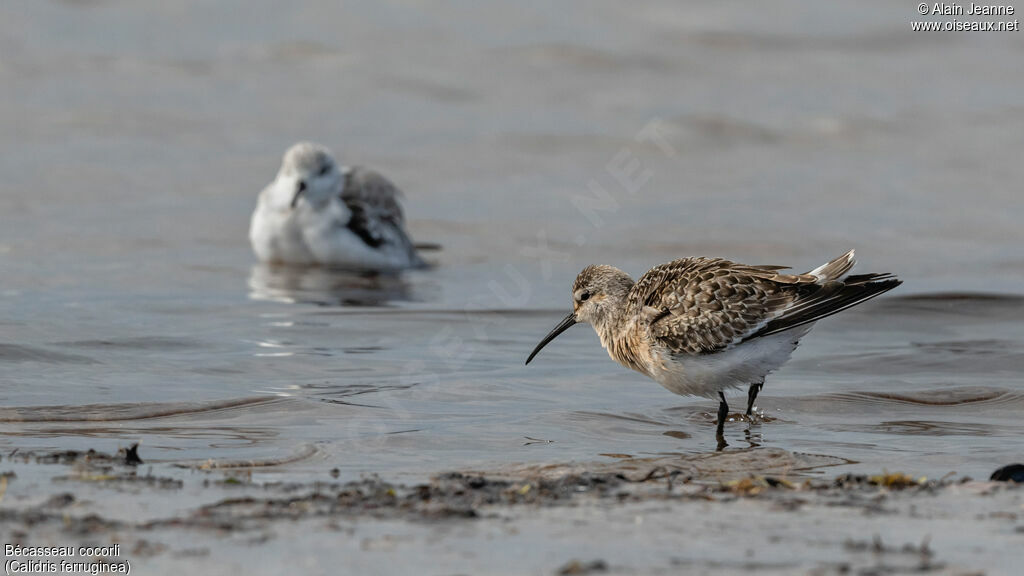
pixel 277 238
pixel 706 375
pixel 303 236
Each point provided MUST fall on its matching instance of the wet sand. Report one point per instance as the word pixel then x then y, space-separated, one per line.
pixel 763 510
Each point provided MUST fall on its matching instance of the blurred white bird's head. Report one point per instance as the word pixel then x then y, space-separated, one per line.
pixel 308 173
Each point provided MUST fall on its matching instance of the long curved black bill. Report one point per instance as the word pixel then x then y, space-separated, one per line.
pixel 564 325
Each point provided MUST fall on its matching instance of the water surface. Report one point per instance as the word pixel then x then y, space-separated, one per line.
pixel 133 141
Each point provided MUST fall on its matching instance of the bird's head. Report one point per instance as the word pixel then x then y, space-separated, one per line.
pixel 308 173
pixel 598 297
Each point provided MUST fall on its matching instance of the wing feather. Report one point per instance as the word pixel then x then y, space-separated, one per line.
pixel 704 305
pixel 377 216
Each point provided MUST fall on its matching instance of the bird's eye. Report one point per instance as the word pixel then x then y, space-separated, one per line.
pixel 584 296
pixel 325 169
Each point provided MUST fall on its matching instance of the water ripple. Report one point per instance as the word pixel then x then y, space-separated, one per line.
pixel 123 412
pixel 16 353
pixel 957 396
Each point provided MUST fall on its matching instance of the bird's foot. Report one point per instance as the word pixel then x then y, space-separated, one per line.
pixel 722 444
pixel 756 417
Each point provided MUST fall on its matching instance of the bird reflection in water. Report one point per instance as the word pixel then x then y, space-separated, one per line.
pixel 326 286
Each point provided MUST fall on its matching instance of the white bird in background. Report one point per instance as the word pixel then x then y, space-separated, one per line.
pixel 317 213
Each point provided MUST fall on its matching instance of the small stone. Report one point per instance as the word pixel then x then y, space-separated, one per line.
pixel 1010 473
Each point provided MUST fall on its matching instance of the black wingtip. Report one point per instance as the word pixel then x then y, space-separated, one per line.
pixel 851 291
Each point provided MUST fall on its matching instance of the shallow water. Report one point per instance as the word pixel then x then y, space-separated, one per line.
pixel 133 141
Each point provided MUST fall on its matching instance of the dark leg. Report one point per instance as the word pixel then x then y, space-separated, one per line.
pixel 723 413
pixel 752 395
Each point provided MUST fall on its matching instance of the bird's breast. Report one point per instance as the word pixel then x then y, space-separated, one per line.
pixel 629 349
